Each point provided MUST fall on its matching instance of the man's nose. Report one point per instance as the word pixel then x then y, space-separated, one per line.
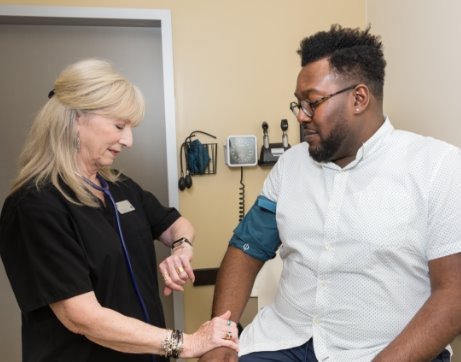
pixel 302 117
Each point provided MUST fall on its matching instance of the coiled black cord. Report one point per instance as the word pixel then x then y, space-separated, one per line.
pixel 241 196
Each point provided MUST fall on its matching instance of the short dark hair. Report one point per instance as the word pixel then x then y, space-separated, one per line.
pixel 353 54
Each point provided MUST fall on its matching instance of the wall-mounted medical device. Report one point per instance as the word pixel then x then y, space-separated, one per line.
pixel 241 151
pixel 270 152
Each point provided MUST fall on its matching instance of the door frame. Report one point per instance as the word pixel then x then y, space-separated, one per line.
pixel 146 17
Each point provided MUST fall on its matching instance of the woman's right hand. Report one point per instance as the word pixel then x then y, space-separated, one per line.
pixel 218 332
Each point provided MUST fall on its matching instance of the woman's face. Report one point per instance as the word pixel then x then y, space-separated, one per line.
pixel 101 140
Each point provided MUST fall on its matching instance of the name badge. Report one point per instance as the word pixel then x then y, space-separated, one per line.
pixel 124 206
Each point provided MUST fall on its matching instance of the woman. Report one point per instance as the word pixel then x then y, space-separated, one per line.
pixel 76 237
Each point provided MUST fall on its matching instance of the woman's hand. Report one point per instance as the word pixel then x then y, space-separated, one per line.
pixel 218 332
pixel 176 270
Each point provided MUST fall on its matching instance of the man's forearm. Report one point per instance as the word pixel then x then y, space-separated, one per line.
pixel 437 322
pixel 424 337
pixel 234 282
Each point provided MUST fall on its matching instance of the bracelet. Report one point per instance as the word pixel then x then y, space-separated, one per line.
pixel 172 344
pixel 180 241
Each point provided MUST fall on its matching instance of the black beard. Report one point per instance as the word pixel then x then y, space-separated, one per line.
pixel 328 148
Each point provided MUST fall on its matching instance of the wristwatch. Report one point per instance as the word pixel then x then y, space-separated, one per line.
pixel 179 242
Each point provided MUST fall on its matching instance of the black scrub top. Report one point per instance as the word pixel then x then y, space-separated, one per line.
pixel 53 250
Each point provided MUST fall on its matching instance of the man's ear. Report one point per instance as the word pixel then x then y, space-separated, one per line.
pixel 361 98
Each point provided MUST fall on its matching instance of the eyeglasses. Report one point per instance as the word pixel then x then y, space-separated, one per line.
pixel 308 107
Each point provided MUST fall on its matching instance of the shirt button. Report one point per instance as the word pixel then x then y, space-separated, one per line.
pixel 316 321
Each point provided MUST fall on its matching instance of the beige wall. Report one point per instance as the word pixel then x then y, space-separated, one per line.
pixel 422 43
pixel 235 65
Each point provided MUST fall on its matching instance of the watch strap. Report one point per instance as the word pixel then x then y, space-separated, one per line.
pixel 179 242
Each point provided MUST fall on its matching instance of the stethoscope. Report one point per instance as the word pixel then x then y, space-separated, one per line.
pixel 105 189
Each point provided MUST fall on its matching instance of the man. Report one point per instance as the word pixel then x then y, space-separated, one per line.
pixel 366 219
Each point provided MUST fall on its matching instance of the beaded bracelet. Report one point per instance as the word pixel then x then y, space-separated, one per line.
pixel 172 344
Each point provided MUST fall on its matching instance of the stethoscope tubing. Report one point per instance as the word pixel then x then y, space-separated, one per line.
pixel 105 189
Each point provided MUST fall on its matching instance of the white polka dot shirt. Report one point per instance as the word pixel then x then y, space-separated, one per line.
pixel 356 243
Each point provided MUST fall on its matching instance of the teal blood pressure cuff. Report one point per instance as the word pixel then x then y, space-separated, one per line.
pixel 257 234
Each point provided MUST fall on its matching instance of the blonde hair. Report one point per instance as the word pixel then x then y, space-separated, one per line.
pixel 52 143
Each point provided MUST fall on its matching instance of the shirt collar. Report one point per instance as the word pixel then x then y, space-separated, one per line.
pixel 367 148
